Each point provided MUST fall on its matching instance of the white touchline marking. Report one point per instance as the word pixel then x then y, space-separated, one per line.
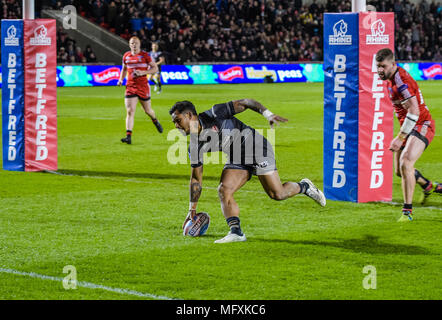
pixel 88 285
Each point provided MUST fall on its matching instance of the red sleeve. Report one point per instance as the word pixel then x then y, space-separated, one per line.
pixel 406 86
pixel 124 58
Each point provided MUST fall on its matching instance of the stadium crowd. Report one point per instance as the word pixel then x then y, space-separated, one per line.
pixel 69 52
pixel 252 30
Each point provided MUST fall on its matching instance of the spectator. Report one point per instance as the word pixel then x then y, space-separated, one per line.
pixel 78 55
pixel 183 54
pixel 111 13
pixel 62 56
pixel 88 53
pixel 98 11
pixel 148 21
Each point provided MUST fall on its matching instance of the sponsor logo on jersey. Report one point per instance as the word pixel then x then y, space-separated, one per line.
pixel 11 39
pixel 339 36
pixel 263 164
pixel 40 38
pixel 377 35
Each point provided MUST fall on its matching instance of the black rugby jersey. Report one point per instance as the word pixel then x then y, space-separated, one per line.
pixel 221 131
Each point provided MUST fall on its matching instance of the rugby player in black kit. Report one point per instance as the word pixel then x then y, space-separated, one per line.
pixel 248 153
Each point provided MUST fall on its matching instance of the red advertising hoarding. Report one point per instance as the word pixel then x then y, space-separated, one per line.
pixel 40 56
pixel 375 163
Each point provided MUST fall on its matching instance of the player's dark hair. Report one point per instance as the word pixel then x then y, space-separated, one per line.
pixel 383 54
pixel 183 106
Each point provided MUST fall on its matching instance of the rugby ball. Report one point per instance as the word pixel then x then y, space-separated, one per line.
pixel 198 226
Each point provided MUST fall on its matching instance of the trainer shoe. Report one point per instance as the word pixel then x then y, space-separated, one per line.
pixel 407 216
pixel 427 192
pixel 231 237
pixel 127 140
pixel 314 193
pixel 158 125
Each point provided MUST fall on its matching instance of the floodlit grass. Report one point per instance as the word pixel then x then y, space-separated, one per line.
pixel 116 211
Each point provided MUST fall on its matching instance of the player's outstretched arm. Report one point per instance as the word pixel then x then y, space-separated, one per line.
pixel 196 181
pixel 243 104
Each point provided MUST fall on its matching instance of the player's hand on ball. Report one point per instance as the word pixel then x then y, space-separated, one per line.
pixel 190 215
pixel 276 119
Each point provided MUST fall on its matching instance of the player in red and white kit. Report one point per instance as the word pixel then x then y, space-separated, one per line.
pixel 137 64
pixel 417 129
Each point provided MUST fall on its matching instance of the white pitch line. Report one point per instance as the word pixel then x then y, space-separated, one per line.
pixel 88 285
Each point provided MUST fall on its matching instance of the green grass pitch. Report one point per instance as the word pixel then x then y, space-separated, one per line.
pixel 116 212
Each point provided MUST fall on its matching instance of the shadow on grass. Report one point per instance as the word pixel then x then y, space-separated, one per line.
pixel 132 175
pixel 368 244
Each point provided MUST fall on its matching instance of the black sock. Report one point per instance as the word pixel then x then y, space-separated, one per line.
pixel 234 225
pixel 418 175
pixel 407 207
pixel 303 186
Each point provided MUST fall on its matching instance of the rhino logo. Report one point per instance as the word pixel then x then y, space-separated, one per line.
pixel 40 32
pixel 40 37
pixel 339 36
pixel 11 32
pixel 378 28
pixel 340 28
pixel 377 35
pixel 11 36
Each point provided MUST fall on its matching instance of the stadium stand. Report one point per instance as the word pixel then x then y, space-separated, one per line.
pixel 68 52
pixel 191 31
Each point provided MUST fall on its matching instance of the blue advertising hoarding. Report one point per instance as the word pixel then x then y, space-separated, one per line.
pixel 12 95
pixel 341 86
pixel 107 75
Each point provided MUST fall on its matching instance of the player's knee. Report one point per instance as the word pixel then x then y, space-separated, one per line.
pixel 224 191
pixel 406 165
pixel 277 195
